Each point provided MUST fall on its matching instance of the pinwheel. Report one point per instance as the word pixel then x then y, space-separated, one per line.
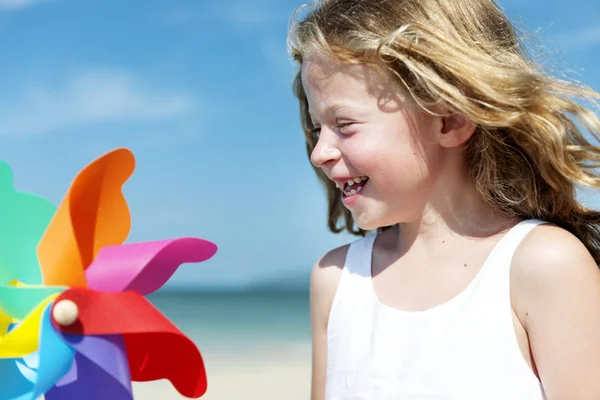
pixel 74 319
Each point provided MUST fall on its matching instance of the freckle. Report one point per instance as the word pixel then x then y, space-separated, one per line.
pixel 527 314
pixel 465 265
pixel 443 241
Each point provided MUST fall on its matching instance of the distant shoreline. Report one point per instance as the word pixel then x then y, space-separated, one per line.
pixel 211 291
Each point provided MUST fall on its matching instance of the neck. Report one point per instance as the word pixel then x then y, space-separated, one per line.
pixel 454 210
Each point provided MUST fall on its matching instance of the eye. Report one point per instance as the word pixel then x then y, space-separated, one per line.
pixel 315 133
pixel 343 126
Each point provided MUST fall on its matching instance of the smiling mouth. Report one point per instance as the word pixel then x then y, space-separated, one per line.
pixel 352 186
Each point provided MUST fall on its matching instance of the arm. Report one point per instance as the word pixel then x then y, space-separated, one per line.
pixel 556 296
pixel 324 279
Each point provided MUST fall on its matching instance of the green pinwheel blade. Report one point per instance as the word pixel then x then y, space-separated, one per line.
pixel 23 221
pixel 18 302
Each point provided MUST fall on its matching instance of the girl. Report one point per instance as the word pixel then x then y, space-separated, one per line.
pixel 456 159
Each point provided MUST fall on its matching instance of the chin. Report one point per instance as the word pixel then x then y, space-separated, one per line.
pixel 372 221
pixel 368 223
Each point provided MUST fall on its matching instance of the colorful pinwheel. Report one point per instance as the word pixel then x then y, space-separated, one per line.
pixel 74 322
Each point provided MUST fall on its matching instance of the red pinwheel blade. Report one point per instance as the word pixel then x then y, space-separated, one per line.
pixel 156 349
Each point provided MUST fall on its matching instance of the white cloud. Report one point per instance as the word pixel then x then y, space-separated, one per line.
pixel 89 97
pixel 581 39
pixel 7 5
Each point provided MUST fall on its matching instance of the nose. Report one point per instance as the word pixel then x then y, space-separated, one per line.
pixel 326 149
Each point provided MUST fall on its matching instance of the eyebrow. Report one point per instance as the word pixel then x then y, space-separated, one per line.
pixel 338 107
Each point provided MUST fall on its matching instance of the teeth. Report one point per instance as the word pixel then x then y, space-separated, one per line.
pixel 344 186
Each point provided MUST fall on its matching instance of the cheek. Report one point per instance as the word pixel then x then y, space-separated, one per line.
pixel 401 171
pixel 401 158
pixel 399 162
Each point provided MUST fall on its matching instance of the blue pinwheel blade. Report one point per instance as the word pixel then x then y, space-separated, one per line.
pixel 29 377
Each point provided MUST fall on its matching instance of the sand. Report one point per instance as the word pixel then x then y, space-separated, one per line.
pixel 261 373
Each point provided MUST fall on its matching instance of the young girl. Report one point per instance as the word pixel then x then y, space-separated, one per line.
pixel 457 159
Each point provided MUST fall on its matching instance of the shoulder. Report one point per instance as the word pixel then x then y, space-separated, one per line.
pixel 550 261
pixel 550 256
pixel 327 271
pixel 329 266
pixel 324 279
pixel 555 290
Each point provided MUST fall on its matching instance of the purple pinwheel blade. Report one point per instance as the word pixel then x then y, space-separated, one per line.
pixel 101 370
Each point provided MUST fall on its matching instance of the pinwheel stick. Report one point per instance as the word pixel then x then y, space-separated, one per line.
pixel 65 312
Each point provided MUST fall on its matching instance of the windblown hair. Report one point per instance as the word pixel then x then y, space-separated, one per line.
pixel 529 153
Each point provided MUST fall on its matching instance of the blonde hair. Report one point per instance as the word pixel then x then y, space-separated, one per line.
pixel 529 152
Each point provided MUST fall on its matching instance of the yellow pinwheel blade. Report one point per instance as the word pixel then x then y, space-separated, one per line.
pixel 5 321
pixel 24 339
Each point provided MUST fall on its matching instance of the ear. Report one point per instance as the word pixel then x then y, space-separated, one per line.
pixel 455 130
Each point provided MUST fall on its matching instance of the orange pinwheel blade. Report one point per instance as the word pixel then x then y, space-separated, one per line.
pixel 93 214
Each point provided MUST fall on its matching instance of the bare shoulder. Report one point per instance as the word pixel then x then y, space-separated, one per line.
pixel 551 261
pixel 555 289
pixel 329 267
pixel 551 256
pixel 324 280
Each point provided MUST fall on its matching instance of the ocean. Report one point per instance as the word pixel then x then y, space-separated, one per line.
pixel 236 321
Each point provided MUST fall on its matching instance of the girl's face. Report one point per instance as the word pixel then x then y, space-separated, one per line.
pixel 377 146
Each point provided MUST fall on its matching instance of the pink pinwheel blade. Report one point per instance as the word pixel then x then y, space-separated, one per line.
pixel 144 267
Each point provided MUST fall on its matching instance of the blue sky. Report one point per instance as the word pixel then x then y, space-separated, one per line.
pixel 200 92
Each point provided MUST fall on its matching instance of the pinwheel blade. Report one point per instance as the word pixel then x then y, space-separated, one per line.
pixel 21 381
pixel 93 214
pixel 144 267
pixel 18 300
pixel 24 219
pixel 101 370
pixel 155 347
pixel 24 338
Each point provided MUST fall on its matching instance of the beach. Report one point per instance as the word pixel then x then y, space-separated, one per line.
pixel 269 373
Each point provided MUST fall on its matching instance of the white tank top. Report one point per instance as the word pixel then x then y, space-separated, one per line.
pixel 463 349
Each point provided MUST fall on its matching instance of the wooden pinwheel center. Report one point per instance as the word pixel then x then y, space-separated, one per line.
pixel 65 312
